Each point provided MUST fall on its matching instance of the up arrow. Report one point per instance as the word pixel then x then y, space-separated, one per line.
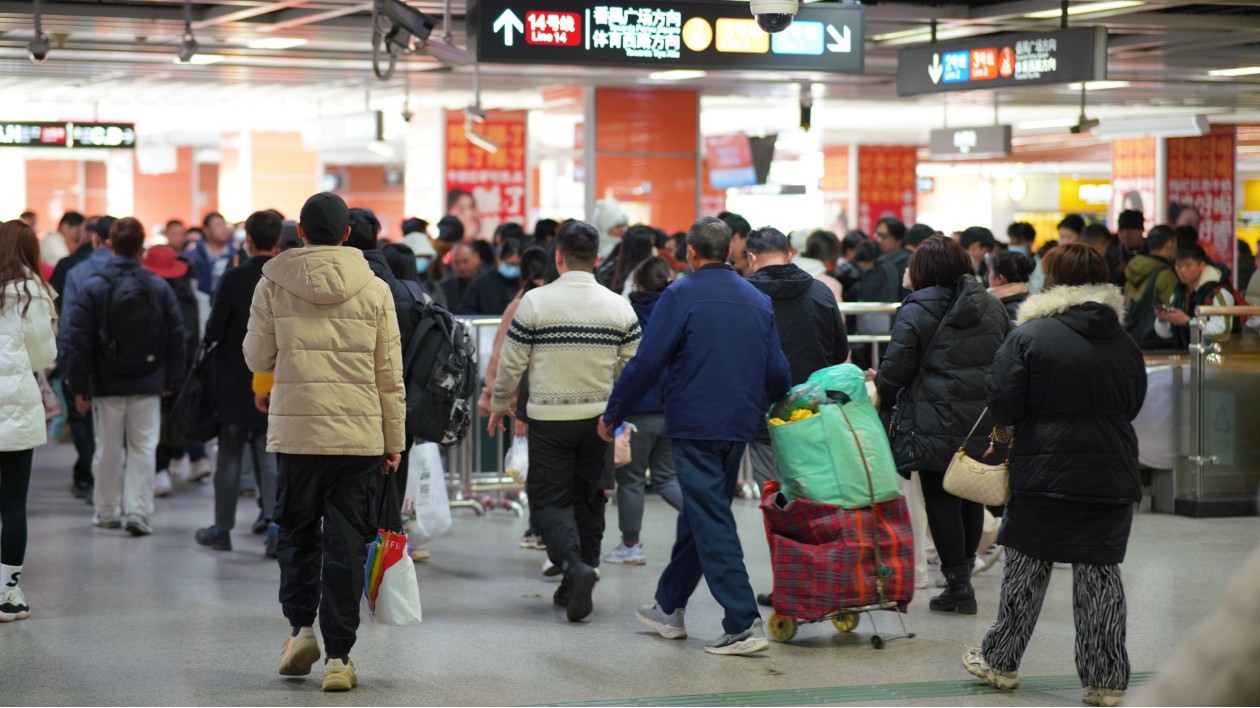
pixel 936 70
pixel 843 42
pixel 507 22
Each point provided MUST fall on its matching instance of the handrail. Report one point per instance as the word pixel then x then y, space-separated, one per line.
pixel 868 308
pixel 1218 310
pixel 869 338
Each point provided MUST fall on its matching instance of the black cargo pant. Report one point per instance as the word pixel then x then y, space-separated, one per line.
pixel 567 460
pixel 321 569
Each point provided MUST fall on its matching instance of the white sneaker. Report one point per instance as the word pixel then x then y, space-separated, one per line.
pixel 627 555
pixel 1096 696
pixel 973 661
pixel 162 486
pixel 750 641
pixel 199 470
pixel 13 605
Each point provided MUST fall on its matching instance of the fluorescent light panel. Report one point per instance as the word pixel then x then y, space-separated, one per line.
pixel 920 35
pixel 1085 9
pixel 1242 71
pixel 276 43
pixel 202 59
pixel 1099 85
pixel 676 75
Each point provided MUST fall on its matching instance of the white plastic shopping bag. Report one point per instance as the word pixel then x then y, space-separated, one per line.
pixel 517 462
pixel 426 491
pixel 390 588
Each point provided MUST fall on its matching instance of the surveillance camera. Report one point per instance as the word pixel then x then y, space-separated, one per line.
pixel 408 19
pixel 39 47
pixel 407 115
pixel 774 15
pixel 188 48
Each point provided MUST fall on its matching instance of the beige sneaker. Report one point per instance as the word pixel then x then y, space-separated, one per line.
pixel 973 661
pixel 339 675
pixel 1096 696
pixel 419 555
pixel 300 653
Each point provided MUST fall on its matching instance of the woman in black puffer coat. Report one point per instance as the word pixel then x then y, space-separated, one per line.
pixel 1071 381
pixel 943 343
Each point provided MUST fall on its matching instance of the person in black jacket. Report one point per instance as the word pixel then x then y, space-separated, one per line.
pixel 1070 380
pixel 125 385
pixel 1008 280
pixel 243 427
pixel 492 290
pixel 878 281
pixel 891 234
pixel 943 343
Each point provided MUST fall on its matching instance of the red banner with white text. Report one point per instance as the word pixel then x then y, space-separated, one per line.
pixel 485 188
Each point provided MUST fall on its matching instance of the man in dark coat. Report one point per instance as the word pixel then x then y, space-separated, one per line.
pixel 891 234
pixel 496 287
pixel 243 427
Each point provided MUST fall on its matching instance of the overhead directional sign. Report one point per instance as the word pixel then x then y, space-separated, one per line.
pixel 1003 60
pixel 67 135
pixel 665 35
pixel 970 143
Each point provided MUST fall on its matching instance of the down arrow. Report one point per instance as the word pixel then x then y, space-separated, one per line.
pixel 936 70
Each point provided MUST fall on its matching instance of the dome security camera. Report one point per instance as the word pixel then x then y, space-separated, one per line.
pixel 774 15
pixel 188 48
pixel 39 47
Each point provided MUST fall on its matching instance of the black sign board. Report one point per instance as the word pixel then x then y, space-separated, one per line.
pixel 67 135
pixel 664 35
pixel 1004 60
pixel 986 141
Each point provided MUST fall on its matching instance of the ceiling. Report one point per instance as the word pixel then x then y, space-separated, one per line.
pixel 113 56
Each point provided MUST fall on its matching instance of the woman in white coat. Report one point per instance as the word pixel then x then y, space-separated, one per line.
pixel 27 345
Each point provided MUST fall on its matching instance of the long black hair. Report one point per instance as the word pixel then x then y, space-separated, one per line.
pixel 636 247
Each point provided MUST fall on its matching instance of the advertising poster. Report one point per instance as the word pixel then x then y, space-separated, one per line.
pixel 1133 178
pixel 729 161
pixel 886 184
pixel 1201 172
pixel 485 189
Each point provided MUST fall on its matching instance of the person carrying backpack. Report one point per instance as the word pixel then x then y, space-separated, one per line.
pixel 1202 283
pixel 1149 283
pixel 127 349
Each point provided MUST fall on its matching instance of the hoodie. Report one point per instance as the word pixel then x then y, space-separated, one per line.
pixel 1138 273
pixel 326 325
pixel 1212 289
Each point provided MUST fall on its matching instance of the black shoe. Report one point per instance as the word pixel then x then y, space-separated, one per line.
pixel 81 490
pixel 765 599
pixel 260 524
pixel 582 579
pixel 214 538
pixel 959 596
pixel 561 598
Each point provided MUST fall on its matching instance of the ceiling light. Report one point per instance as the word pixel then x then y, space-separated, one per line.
pixel 276 43
pixel 676 75
pixel 921 35
pixel 900 33
pixel 1243 71
pixel 382 148
pixel 1045 124
pixel 1086 9
pixel 1099 85
pixel 202 59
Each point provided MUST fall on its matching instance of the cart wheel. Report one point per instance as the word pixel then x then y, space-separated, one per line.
pixel 845 621
pixel 781 629
pixel 877 642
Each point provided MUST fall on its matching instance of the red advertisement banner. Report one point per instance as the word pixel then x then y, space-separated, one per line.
pixel 485 189
pixel 1201 172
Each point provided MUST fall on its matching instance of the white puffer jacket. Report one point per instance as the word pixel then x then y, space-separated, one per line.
pixel 27 345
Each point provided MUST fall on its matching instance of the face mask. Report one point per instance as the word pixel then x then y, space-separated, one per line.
pixel 509 271
pixel 1019 249
pixel 422 264
pixel 240 235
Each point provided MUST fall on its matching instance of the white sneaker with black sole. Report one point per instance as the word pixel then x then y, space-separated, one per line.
pixel 750 641
pixel 13 606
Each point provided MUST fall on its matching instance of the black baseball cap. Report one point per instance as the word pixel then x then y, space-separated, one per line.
pixel 325 218
pixel 450 229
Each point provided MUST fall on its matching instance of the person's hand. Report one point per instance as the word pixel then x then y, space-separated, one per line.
pixel 483 406
pixel 496 423
pixel 603 430
pixel 1174 316
pixel 166 394
pixel 261 403
pixel 392 460
pixel 871 374
pixel 82 405
pixel 522 428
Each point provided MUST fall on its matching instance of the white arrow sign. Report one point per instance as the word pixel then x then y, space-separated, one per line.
pixel 843 43
pixel 936 70
pixel 506 23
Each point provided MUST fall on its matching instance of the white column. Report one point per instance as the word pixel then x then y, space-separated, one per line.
pixel 120 183
pixel 425 154
pixel 13 196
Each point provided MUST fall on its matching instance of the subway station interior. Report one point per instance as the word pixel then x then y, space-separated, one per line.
pixel 490 117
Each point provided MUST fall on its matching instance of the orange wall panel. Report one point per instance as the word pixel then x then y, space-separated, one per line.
pixel 285 174
pixel 207 197
pixel 646 120
pixel 53 187
pixel 160 198
pixel 668 186
pixel 364 186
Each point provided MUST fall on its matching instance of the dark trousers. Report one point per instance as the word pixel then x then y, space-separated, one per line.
pixel 708 542
pixel 322 569
pixel 236 445
pixel 566 463
pixel 166 454
pixel 956 523
pixel 84 438
pixel 15 482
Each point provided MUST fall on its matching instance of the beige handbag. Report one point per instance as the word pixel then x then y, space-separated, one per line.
pixel 977 481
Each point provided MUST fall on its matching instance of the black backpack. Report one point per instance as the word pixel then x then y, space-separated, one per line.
pixel 440 375
pixel 194 413
pixel 133 342
pixel 1139 319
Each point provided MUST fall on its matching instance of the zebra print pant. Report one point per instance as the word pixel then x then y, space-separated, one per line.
pixel 1097 605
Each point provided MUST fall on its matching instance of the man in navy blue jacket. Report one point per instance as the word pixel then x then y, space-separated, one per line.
pixel 714 339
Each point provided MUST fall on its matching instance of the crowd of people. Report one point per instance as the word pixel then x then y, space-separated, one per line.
pixel 683 339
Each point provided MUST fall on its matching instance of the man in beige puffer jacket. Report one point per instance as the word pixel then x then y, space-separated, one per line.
pixel 325 324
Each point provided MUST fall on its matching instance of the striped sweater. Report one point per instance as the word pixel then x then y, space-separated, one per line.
pixel 574 336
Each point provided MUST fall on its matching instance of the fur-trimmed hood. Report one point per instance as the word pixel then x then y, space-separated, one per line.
pixel 1091 300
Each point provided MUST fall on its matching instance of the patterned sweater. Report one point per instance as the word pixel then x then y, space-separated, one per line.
pixel 574 336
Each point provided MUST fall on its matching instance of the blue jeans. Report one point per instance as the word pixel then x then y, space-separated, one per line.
pixel 708 541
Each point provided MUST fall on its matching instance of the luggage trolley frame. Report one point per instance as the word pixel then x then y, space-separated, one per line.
pixel 782 628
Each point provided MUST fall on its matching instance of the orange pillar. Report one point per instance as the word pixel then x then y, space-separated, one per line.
pixel 266 171
pixel 162 196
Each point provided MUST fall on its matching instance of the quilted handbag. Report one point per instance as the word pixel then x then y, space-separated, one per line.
pixel 978 481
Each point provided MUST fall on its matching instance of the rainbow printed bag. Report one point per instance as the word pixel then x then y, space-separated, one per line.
pixel 390 589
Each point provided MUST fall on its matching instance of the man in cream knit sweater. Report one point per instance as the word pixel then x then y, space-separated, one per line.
pixel 574 337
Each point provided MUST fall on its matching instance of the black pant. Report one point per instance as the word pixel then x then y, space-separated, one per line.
pixel 84 438
pixel 15 481
pixel 956 523
pixel 324 571
pixel 566 462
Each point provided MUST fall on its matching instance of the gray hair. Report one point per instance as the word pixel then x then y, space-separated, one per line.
pixel 711 239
